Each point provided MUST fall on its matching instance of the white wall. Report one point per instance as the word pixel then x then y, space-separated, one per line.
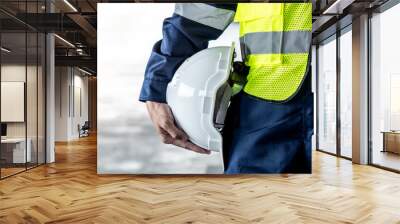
pixel 69 82
pixel 12 73
pixel 79 117
pixel 61 103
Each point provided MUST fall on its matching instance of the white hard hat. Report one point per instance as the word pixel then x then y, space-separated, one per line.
pixel 199 95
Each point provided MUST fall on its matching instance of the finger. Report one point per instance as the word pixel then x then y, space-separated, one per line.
pixel 161 131
pixel 166 139
pixel 190 146
pixel 174 131
pixel 195 148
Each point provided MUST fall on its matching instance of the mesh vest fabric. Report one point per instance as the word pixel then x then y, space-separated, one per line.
pixel 275 42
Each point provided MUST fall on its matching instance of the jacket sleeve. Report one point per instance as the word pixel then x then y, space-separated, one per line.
pixel 185 33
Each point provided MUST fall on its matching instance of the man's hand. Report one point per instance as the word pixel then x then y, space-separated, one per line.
pixel 163 120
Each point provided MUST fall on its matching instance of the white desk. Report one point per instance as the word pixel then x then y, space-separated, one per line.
pixel 19 149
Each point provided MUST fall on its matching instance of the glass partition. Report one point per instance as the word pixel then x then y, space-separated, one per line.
pixel 22 77
pixel 14 153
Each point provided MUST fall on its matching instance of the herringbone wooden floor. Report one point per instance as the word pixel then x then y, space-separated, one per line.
pixel 70 191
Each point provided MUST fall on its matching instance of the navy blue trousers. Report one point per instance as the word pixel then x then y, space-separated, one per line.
pixel 268 137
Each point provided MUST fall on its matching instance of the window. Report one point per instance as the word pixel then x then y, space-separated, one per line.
pixel 327 96
pixel 385 89
pixel 346 93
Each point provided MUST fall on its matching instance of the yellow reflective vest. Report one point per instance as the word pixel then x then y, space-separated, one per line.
pixel 275 41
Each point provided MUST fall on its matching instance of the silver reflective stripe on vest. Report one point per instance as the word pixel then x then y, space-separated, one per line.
pixel 205 14
pixel 276 42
